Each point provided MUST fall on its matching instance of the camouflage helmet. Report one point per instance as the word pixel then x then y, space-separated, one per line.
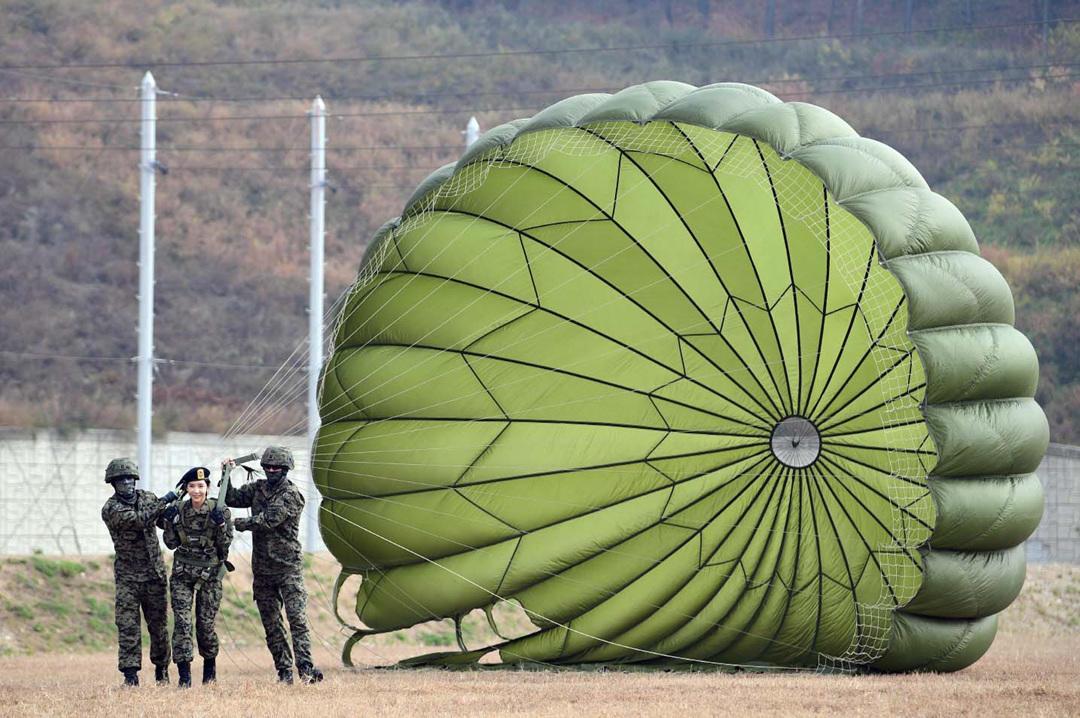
pixel 277 456
pixel 121 467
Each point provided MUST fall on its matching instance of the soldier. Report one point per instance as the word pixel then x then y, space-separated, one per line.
pixel 131 516
pixel 277 561
pixel 200 534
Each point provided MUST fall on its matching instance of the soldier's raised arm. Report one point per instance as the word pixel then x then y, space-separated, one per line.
pixel 122 516
pixel 239 497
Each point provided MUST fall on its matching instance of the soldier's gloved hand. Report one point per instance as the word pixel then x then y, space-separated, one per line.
pixel 170 513
pixel 217 516
pixel 242 524
pixel 169 497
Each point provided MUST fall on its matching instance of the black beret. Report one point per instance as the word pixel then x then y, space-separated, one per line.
pixel 198 473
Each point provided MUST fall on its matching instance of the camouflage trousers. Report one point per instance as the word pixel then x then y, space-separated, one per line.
pixel 271 594
pixel 149 597
pixel 207 601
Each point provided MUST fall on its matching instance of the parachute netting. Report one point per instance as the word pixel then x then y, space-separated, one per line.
pixel 649 381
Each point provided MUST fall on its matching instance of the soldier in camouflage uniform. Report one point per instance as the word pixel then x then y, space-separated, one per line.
pixel 200 533
pixel 277 561
pixel 131 516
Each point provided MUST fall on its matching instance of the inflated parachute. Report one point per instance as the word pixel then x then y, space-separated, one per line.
pixel 691 374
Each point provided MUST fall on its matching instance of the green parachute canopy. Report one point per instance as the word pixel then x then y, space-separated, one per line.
pixel 691 374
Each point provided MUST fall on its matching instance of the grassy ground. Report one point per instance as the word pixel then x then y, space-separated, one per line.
pixel 63 605
pixel 1032 669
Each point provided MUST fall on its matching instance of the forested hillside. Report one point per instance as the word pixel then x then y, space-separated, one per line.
pixel 981 96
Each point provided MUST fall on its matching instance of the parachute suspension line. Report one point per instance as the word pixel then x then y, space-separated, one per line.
pixel 565 626
pixel 876 305
pixel 799 353
pixel 330 417
pixel 362 379
pixel 287 390
pixel 445 514
pixel 603 591
pixel 257 627
pixel 301 348
pixel 358 634
pixel 358 382
pixel 284 383
pixel 491 621
pixel 457 633
pixel 341 341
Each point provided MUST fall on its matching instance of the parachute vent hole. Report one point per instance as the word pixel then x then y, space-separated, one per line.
pixel 795 442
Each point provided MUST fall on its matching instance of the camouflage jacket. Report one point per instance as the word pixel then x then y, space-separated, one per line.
pixel 197 541
pixel 275 518
pixel 132 527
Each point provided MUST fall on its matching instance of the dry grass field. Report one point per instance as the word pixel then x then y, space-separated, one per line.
pixel 1033 669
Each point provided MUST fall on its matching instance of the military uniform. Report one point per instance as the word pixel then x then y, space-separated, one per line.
pixel 140 577
pixel 201 548
pixel 277 565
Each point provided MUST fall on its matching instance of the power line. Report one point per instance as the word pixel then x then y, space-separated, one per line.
pixel 518 53
pixel 443 111
pixel 131 359
pixel 374 148
pixel 49 78
pixel 405 96
pixel 191 148
pixel 427 168
pixel 69 357
pixel 222 118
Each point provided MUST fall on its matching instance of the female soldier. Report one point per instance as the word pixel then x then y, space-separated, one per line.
pixel 200 532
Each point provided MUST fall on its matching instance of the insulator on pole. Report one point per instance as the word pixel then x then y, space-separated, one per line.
pixel 471 132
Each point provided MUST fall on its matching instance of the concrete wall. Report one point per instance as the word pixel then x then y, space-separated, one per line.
pixel 53 484
pixel 1057 540
pixel 53 487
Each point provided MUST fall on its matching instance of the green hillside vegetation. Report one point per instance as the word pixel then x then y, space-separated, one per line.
pixel 53 604
pixel 989 117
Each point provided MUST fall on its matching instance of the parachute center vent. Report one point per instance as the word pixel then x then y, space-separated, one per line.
pixel 795 442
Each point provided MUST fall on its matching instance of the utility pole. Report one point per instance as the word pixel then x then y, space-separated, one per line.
pixel 147 168
pixel 472 132
pixel 315 303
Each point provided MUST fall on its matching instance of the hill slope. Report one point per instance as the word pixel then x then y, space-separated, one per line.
pixel 989 117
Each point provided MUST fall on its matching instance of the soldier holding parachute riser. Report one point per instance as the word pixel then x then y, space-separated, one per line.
pixel 200 532
pixel 277 560
pixel 132 516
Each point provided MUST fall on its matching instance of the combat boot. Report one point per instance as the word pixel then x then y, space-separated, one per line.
pixel 161 675
pixel 309 673
pixel 185 674
pixel 131 676
pixel 209 670
pixel 284 675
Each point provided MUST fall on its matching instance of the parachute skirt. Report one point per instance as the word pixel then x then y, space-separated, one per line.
pixel 693 375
